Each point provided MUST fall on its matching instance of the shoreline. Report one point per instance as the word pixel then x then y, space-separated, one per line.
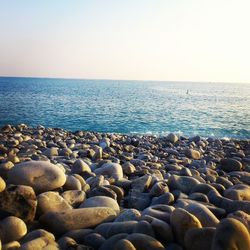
pixel 181 135
pixel 118 191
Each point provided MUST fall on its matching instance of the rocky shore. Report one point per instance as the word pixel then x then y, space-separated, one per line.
pixel 87 190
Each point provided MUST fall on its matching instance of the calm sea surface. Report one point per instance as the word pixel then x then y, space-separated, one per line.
pixel 208 109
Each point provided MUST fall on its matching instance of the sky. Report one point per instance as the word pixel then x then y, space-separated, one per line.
pixel 172 40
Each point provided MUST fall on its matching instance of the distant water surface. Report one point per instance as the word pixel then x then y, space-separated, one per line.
pixel 207 109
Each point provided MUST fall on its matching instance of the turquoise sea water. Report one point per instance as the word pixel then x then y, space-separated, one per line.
pixel 208 109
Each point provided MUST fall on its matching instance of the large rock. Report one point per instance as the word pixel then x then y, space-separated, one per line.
pixel 62 222
pixel 41 175
pixel 101 201
pixel 231 234
pixel 110 169
pixel 11 229
pixel 230 165
pixel 182 221
pixel 20 201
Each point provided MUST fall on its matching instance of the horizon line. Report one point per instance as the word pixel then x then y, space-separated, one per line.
pixel 115 79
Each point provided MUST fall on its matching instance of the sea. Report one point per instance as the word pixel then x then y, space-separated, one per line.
pixel 208 109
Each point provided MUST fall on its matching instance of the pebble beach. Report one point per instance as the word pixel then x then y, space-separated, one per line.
pixel 87 190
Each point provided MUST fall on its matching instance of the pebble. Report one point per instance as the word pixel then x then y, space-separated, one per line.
pixel 2 184
pixel 238 192
pixel 51 202
pixel 80 167
pixel 199 238
pixel 42 176
pixel 230 165
pixel 205 216
pixel 11 245
pixel 128 215
pixel 193 154
pixel 172 138
pixel 40 243
pixel 74 197
pixel 20 201
pixel 111 228
pixel 144 242
pixel 182 183
pixel 111 170
pixel 12 229
pixel 182 221
pixel 101 201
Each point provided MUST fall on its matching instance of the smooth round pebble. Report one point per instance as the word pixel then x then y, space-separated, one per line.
pixel 41 175
pixel 12 229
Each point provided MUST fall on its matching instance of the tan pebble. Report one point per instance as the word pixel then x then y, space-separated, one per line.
pixel 12 229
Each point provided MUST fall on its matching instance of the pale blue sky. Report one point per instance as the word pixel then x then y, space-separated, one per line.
pixel 189 40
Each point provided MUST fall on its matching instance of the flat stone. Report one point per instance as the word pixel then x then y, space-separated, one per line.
pixel 81 218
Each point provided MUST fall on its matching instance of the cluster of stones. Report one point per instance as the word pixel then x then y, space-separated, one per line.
pixel 86 190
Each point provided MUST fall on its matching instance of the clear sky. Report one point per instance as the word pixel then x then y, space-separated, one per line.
pixel 187 40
